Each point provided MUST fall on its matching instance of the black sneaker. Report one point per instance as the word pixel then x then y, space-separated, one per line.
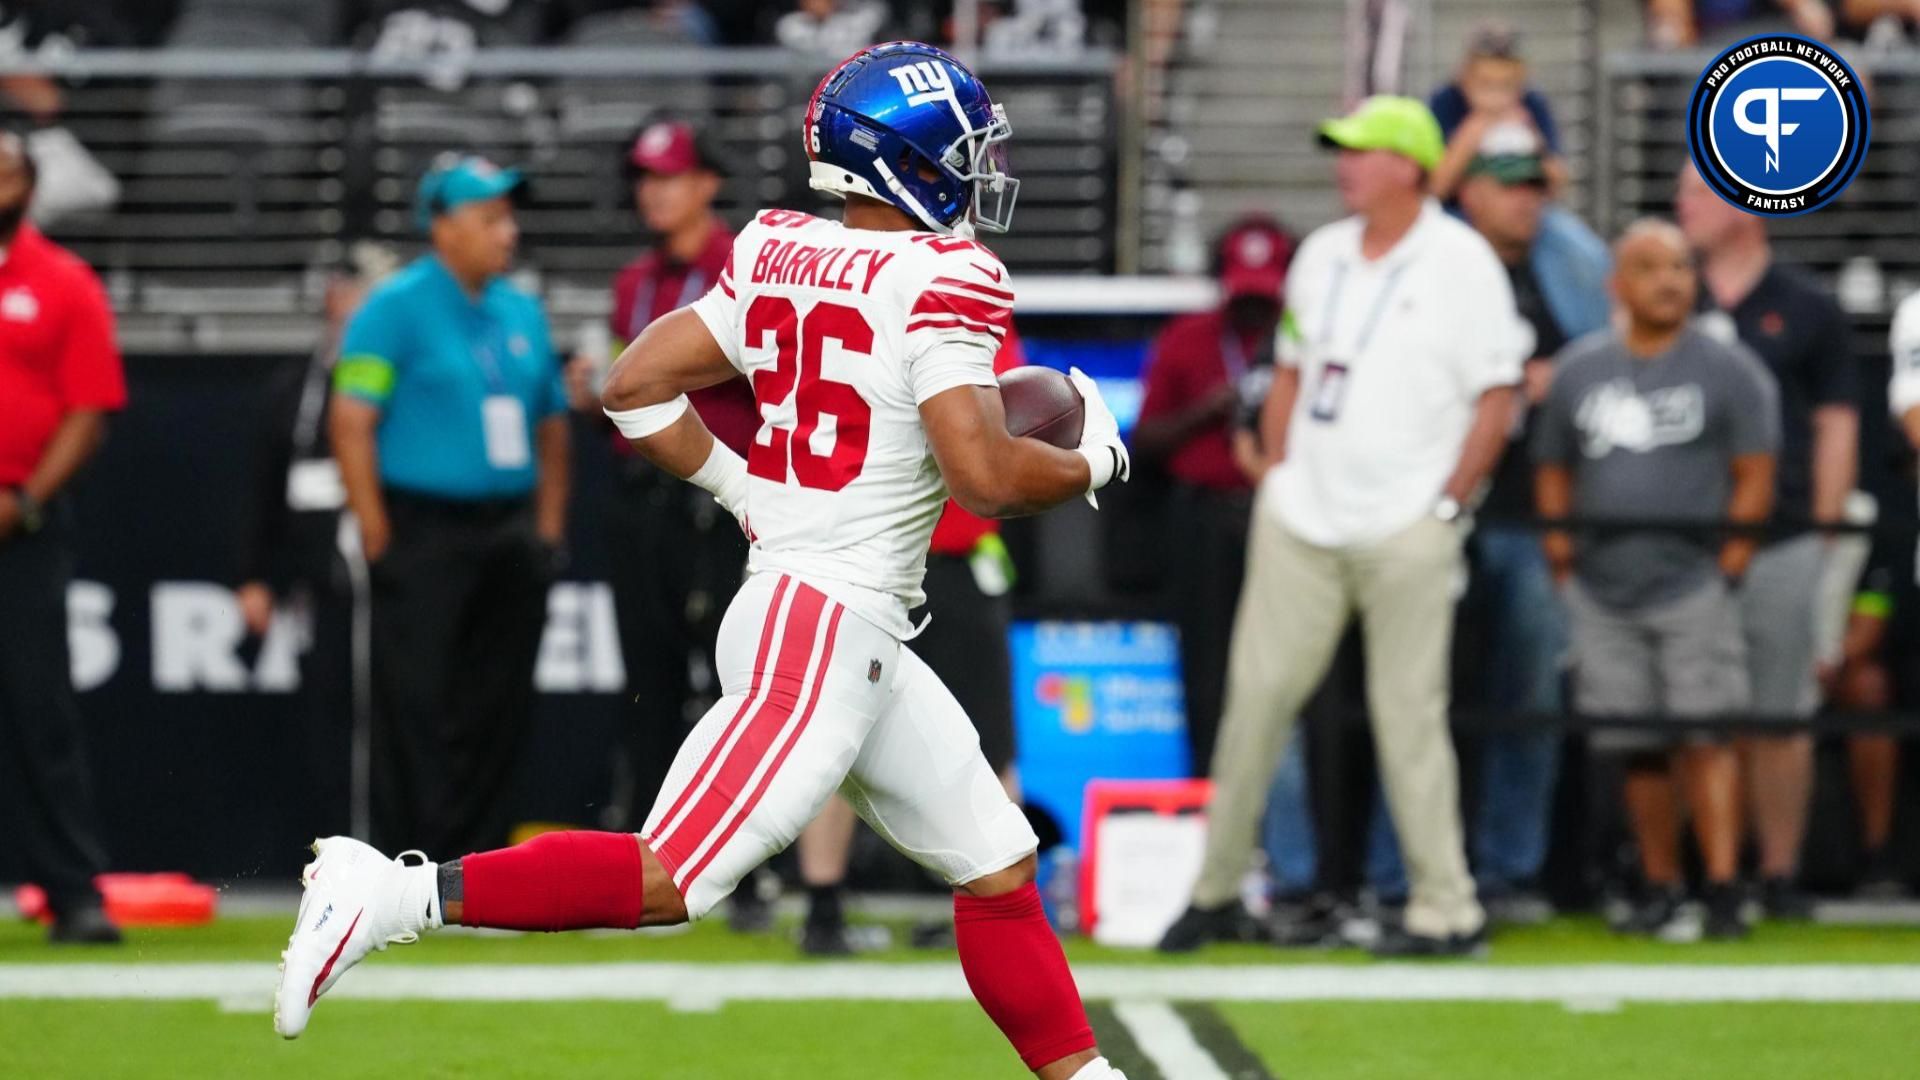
pixel 84 926
pixel 932 934
pixel 829 939
pixel 825 939
pixel 747 911
pixel 1396 943
pixel 1516 906
pixel 1306 921
pixel 1663 913
pixel 1780 898
pixel 1881 878
pixel 1197 926
pixel 1724 921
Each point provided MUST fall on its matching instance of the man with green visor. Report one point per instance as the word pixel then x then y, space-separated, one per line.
pixel 1393 391
pixel 449 424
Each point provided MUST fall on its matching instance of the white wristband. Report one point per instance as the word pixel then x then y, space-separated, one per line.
pixel 724 473
pixel 1102 463
pixel 647 419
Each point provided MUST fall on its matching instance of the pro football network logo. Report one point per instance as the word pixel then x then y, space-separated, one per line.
pixel 1778 125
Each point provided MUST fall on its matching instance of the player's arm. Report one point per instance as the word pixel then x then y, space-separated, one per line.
pixel 645 397
pixel 995 474
pixel 989 472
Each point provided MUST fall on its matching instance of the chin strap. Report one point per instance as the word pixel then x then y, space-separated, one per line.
pixel 912 204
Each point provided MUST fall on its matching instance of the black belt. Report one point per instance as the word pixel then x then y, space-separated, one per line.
pixel 471 511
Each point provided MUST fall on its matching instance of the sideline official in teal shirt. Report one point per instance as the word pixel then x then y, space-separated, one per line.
pixel 449 424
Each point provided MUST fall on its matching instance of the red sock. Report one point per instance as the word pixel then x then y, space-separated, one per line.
pixel 555 881
pixel 1017 972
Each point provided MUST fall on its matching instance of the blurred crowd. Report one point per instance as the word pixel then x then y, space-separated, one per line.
pixel 1682 24
pixel 1653 393
pixel 834 27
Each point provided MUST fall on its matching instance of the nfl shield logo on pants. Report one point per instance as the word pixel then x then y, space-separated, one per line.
pixel 873 671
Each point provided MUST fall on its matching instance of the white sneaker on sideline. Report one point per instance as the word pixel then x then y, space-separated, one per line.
pixel 356 900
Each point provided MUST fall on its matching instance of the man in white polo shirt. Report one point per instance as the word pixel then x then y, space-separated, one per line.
pixel 1399 356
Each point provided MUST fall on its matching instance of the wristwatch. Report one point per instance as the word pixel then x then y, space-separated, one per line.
pixel 1447 509
pixel 31 517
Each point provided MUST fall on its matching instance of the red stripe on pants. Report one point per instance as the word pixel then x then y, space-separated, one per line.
pixel 800 728
pixel 753 690
pixel 757 734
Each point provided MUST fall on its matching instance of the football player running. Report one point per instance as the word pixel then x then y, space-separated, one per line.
pixel 870 343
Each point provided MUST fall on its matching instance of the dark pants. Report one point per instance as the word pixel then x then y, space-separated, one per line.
pixel 43 760
pixel 1526 645
pixel 326 706
pixel 966 645
pixel 459 604
pixel 1206 572
pixel 676 561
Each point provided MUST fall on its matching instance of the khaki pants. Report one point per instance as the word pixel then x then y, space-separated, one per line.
pixel 1293 611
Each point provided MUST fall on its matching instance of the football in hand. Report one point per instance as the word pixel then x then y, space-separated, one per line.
pixel 1042 404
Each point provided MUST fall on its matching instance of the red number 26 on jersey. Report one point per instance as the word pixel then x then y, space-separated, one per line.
pixel 798 344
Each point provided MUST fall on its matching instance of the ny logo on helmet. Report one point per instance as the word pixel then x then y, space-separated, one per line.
pixel 923 82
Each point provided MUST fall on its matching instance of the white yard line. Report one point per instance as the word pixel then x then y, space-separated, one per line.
pixel 1167 1040
pixel 705 986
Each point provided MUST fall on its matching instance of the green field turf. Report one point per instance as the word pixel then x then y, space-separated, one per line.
pixel 856 1041
pixel 820 1040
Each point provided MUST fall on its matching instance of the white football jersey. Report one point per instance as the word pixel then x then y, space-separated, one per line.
pixel 844 333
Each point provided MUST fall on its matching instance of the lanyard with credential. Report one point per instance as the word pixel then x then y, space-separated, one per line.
pixel 503 417
pixel 484 334
pixel 1332 387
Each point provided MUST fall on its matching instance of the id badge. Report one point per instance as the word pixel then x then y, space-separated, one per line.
pixel 1329 392
pixel 505 421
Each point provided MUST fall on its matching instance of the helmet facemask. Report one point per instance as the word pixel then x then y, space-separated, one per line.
pixel 980 158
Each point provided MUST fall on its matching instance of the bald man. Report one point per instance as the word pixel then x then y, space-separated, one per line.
pixel 1656 420
pixel 60 376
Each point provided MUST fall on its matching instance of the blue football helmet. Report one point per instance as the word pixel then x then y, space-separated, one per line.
pixel 909 125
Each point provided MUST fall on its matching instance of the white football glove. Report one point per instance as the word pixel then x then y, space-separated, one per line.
pixel 1100 443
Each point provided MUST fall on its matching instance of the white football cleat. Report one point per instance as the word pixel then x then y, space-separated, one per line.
pixel 356 900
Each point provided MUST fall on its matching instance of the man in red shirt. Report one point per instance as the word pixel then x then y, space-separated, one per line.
pixel 677 558
pixel 1207 372
pixel 59 377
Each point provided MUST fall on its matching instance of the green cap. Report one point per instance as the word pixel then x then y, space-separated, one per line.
pixel 454 181
pixel 1384 122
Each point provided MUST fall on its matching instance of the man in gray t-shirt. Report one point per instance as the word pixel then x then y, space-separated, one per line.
pixel 1657 421
pixel 1653 437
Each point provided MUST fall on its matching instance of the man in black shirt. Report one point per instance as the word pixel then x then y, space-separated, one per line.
pixel 1558 287
pixel 1784 316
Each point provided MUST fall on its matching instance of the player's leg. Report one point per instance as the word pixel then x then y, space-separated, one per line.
pixel 922 783
pixel 757 768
